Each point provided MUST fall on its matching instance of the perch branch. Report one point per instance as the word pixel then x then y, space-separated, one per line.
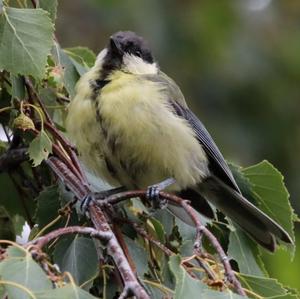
pixel 200 228
pixel 100 222
pixel 42 241
pixel 143 233
pixel 49 124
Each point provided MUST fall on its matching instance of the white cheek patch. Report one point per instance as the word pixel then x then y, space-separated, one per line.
pixel 100 57
pixel 138 66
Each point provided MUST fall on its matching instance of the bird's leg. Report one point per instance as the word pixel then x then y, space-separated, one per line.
pixel 153 193
pixel 103 194
pixel 89 198
pixel 85 203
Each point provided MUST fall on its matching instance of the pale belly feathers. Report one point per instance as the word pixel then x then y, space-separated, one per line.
pixel 137 140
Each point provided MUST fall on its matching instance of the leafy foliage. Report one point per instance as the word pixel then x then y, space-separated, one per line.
pixel 40 148
pixel 265 287
pixel 66 256
pixel 245 251
pixel 23 273
pixel 25 41
pixel 50 6
pixel 267 183
pixel 188 287
pixel 37 80
pixel 83 56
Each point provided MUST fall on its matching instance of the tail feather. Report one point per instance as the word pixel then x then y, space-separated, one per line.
pixel 256 223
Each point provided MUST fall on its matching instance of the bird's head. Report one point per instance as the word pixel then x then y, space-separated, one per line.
pixel 128 52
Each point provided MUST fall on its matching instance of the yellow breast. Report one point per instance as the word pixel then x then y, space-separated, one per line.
pixel 84 130
pixel 150 143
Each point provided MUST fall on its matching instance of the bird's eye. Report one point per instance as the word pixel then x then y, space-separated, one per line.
pixel 138 53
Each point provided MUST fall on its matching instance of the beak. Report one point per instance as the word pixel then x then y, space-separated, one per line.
pixel 115 46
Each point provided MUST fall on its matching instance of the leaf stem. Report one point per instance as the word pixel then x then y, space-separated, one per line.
pixel 38 110
pixel 161 287
pixel 19 286
pixel 5 109
pixel 46 227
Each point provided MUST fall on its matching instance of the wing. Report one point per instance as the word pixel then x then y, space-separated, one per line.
pixel 217 163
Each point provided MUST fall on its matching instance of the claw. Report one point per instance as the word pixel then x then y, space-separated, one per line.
pixel 97 198
pixel 153 193
pixel 153 196
pixel 85 203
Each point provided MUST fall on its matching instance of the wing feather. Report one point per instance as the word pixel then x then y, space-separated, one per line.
pixel 217 164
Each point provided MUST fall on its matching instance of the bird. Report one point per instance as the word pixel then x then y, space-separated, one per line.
pixel 133 128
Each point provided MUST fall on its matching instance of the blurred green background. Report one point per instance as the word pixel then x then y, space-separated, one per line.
pixel 238 64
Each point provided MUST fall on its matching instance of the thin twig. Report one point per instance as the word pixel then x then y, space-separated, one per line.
pixel 42 241
pixel 33 95
pixel 142 232
pixel 115 251
pixel 6 133
pixel 34 4
pixel 67 177
pixel 100 223
pixel 59 153
pixel 49 124
pixel 67 146
pixel 200 228
pixel 124 246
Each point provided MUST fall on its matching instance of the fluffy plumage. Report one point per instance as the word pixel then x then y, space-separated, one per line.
pixel 133 127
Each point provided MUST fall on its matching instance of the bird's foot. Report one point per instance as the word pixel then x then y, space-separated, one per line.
pixel 85 203
pixel 153 196
pixel 98 198
pixel 153 193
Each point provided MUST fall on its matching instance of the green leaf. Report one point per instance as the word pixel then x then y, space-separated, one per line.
pixel 187 247
pixel 82 55
pixel 23 271
pixel 48 205
pixel 188 232
pixel 287 296
pixel 70 291
pixel 7 230
pixel 265 287
pixel 166 219
pixel 69 71
pixel 25 41
pixel 139 256
pixel 154 292
pixel 188 287
pixel 159 230
pixel 13 251
pixel 245 252
pixel 10 199
pixel 79 67
pixel 17 88
pixel 40 148
pixel 271 194
pixel 48 97
pixel 2 289
pixel 50 6
pixel 78 256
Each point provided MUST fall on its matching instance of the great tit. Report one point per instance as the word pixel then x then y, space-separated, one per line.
pixel 132 127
